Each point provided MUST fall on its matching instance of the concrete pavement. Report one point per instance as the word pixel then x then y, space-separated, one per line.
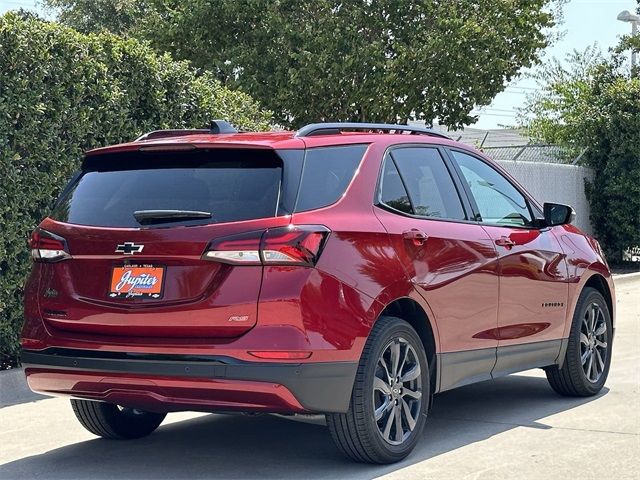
pixel 513 427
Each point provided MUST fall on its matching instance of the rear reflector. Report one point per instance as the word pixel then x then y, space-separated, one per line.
pixel 292 245
pixel 32 344
pixel 275 355
pixel 48 247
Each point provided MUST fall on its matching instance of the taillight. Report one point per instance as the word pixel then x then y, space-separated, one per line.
pixel 292 245
pixel 48 247
pixel 296 244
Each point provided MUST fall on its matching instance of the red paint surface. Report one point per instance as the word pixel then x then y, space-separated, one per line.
pixel 533 274
pixel 160 394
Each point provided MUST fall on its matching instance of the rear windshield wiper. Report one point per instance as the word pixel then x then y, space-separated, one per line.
pixel 145 217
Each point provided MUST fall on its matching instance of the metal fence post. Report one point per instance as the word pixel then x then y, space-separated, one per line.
pixel 579 156
pixel 524 147
pixel 484 138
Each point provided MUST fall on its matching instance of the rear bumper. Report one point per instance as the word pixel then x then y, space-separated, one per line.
pixel 183 382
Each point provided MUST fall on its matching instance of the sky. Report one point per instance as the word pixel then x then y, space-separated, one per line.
pixel 585 22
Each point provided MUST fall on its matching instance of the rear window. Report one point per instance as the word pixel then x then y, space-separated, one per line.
pixel 231 185
pixel 326 175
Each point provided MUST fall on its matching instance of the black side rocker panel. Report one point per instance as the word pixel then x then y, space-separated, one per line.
pixel 319 387
pixel 462 368
pixel 516 358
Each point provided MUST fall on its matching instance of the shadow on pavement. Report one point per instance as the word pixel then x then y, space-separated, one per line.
pixel 14 389
pixel 221 446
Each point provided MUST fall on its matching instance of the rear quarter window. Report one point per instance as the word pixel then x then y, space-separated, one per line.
pixel 326 175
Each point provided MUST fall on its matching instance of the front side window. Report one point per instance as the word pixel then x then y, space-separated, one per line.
pixel 430 188
pixel 498 201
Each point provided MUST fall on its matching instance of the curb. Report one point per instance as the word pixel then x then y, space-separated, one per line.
pixel 626 278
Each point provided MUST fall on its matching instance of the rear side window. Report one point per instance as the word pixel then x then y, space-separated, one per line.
pixel 231 185
pixel 430 187
pixel 326 175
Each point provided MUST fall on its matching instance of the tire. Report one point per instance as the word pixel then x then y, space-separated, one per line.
pixel 111 421
pixel 588 342
pixel 357 433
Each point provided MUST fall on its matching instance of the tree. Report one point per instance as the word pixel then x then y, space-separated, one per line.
pixel 62 93
pixel 595 104
pixel 374 60
pixel 87 16
pixel 563 87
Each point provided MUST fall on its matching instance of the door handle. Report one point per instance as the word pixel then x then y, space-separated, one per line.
pixel 418 237
pixel 505 242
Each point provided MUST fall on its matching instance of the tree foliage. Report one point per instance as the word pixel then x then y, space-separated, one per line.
pixel 374 60
pixel 90 16
pixel 595 104
pixel 62 93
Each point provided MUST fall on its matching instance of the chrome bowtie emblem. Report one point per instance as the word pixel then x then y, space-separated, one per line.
pixel 129 248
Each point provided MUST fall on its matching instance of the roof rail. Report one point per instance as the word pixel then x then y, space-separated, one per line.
pixel 335 128
pixel 217 127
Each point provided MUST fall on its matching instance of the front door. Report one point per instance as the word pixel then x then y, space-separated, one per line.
pixel 533 271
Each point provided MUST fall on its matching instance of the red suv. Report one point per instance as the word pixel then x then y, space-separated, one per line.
pixel 352 270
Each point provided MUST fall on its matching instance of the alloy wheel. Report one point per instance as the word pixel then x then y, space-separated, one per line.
pixel 593 342
pixel 397 391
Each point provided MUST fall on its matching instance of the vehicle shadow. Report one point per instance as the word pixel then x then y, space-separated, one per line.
pixel 223 446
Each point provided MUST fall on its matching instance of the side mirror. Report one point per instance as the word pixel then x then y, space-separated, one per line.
pixel 558 214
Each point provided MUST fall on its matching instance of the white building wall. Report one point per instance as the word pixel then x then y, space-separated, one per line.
pixel 553 182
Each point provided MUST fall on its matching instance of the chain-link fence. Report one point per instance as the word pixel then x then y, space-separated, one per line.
pixel 511 144
pixel 533 153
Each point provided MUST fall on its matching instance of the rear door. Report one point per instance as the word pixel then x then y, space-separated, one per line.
pixel 137 225
pixel 533 271
pixel 451 261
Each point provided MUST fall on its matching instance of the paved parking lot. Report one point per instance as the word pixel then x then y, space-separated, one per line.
pixel 514 427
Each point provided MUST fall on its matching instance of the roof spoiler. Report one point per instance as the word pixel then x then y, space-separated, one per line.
pixel 217 127
pixel 314 129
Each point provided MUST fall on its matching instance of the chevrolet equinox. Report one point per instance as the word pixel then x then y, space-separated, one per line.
pixel 350 270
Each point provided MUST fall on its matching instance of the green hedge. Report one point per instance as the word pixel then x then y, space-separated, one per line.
pixel 61 93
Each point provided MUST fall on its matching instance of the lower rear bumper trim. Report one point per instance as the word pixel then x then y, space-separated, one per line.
pixel 321 387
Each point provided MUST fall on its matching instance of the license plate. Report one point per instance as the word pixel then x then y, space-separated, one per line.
pixel 137 281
